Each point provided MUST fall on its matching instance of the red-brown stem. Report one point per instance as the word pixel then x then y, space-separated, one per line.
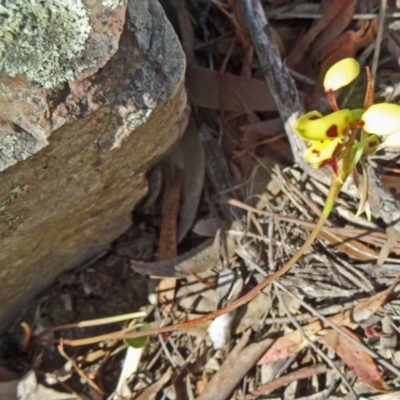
pixel 369 93
pixel 332 99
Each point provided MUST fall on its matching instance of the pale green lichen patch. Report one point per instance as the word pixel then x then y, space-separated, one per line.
pixel 113 3
pixel 135 119
pixel 7 144
pixel 41 39
pixel 16 144
pixel 16 148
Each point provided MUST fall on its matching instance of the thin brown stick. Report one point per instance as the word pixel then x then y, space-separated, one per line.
pixel 378 40
pixel 283 381
pixel 81 373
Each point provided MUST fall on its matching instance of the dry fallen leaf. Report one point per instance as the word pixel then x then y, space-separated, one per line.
pixel 361 363
pixel 351 247
pixel 344 46
pixel 211 89
pixel 331 11
pixel 290 344
pixel 167 247
pixel 269 128
pixel 194 167
pixel 200 259
pixel 335 28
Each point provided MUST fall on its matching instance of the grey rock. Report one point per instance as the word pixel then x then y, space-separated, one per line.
pixel 74 145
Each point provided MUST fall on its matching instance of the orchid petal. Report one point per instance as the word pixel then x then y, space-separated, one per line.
pixel 341 74
pixel 314 126
pixel 392 140
pixel 382 119
pixel 318 152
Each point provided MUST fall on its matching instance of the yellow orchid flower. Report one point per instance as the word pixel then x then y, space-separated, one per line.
pixel 341 74
pixel 382 119
pixel 314 126
pixel 326 134
pixel 319 152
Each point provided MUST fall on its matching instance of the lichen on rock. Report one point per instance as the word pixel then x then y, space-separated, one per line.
pixel 112 3
pixel 41 39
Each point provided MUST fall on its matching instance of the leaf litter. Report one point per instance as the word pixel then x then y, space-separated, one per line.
pixel 328 329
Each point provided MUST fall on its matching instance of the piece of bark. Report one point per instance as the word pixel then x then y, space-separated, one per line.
pixel 238 363
pixel 76 137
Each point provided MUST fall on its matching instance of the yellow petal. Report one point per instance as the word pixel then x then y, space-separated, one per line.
pixel 382 119
pixel 318 152
pixel 341 74
pixel 314 126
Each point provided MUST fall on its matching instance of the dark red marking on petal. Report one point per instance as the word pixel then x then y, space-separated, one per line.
pixel 317 152
pixel 372 144
pixel 332 132
pixel 314 117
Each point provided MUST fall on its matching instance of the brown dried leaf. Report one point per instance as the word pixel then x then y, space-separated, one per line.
pixel 392 43
pixel 272 127
pixel 347 44
pixel 334 30
pixel 361 363
pixel 370 306
pixel 344 46
pixel 194 164
pixel 167 246
pixel 393 236
pixel 293 342
pixel 351 247
pixel 228 92
pixel 332 10
pixel 290 344
pixel 391 182
pixel 198 260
